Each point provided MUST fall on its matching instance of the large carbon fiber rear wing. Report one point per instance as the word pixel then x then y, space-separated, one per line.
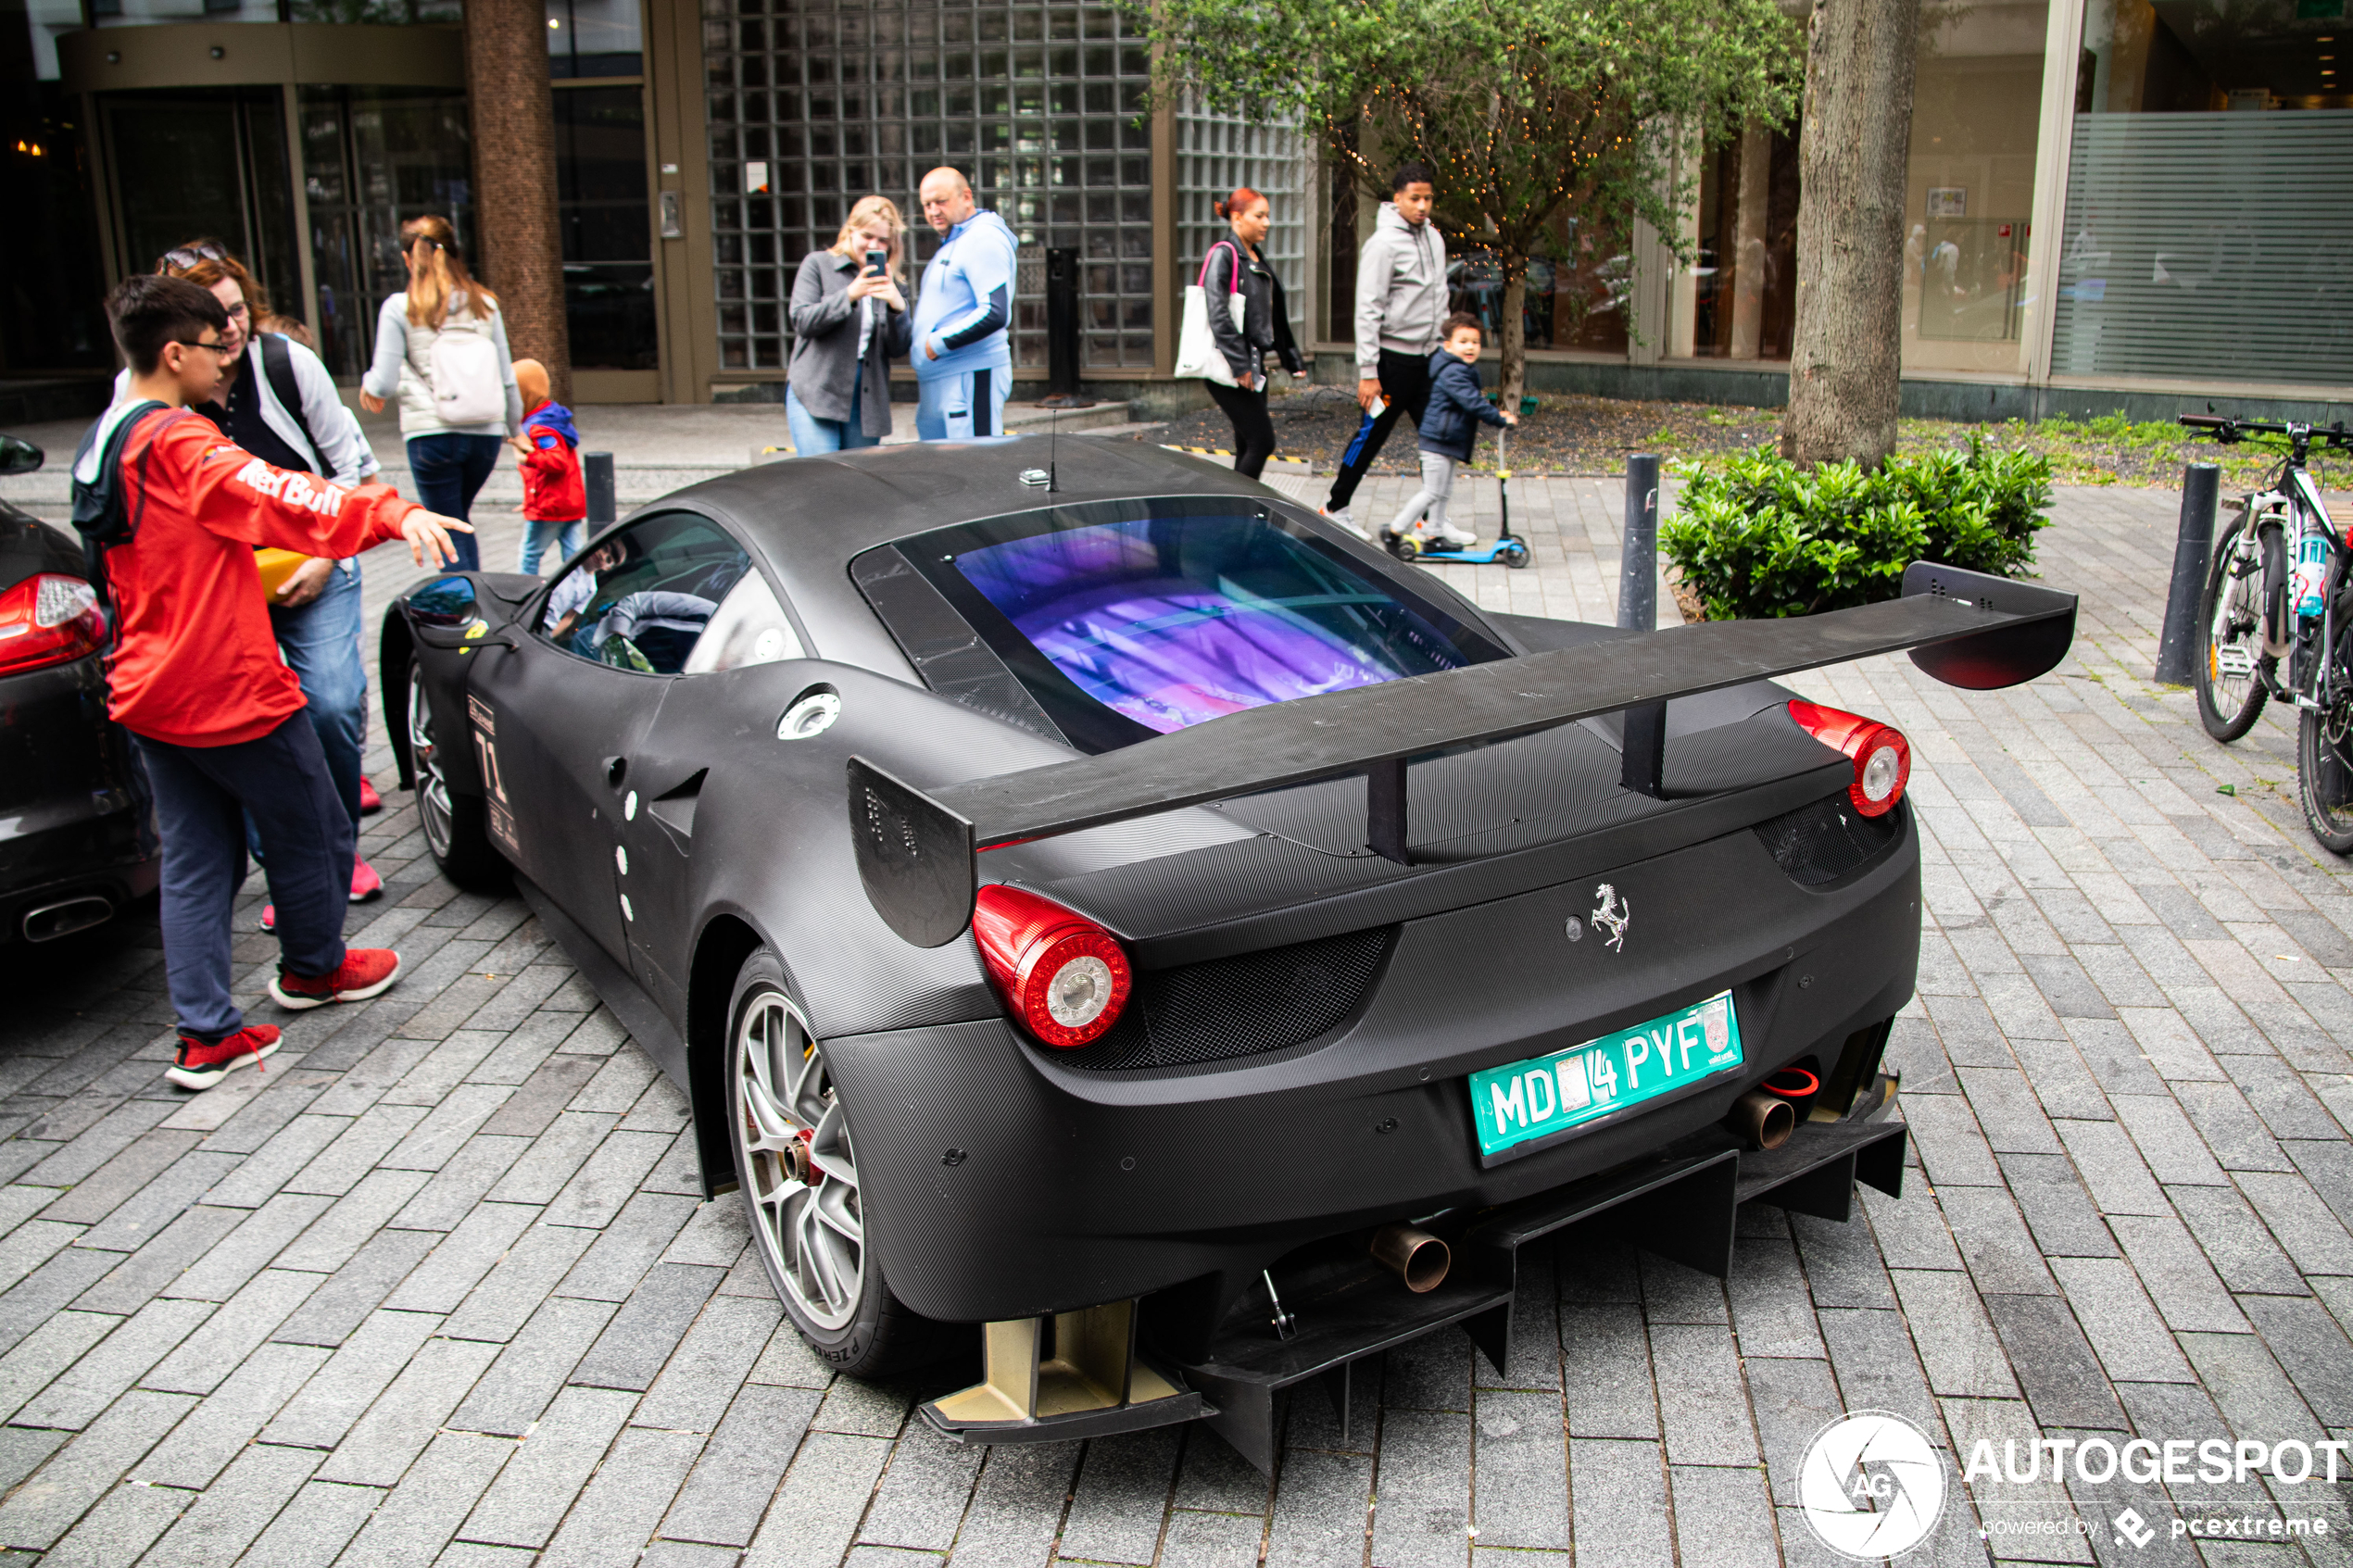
pixel 916 849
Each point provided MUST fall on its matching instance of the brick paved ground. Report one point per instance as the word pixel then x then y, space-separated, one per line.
pixel 437 1288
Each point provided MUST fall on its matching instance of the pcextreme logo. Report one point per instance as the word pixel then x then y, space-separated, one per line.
pixel 1871 1485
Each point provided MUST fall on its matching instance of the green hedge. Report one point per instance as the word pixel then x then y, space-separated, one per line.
pixel 1754 537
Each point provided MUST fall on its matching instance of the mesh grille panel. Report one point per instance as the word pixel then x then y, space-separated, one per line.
pixel 1241 1006
pixel 1823 842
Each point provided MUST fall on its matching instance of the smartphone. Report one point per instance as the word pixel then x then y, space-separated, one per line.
pixel 876 261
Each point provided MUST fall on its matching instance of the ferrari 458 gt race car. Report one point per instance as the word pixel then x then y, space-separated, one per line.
pixel 1108 905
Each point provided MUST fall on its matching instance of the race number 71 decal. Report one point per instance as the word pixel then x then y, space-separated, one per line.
pixel 494 787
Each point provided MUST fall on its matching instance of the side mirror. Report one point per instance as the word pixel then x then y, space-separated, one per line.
pixel 19 456
pixel 444 614
pixel 445 601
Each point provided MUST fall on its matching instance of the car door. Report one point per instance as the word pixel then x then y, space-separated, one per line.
pixel 569 705
pixel 723 703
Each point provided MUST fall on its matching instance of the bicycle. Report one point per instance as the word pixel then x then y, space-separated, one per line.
pixel 2251 624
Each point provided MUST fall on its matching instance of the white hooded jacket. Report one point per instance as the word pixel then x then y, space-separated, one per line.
pixel 1400 290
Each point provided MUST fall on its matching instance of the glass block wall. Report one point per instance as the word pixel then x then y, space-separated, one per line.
pixel 814 104
pixel 1217 153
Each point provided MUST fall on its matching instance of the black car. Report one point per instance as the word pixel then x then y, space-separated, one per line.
pixel 77 827
pixel 1105 903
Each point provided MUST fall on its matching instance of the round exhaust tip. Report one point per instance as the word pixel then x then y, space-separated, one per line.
pixel 1415 1256
pixel 1761 1121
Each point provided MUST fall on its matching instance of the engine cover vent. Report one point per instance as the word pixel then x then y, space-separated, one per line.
pixel 1819 843
pixel 1246 1005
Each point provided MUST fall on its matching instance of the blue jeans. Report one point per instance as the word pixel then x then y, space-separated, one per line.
pixel 536 537
pixel 952 407
pixel 449 469
pixel 202 794
pixel 813 436
pixel 320 644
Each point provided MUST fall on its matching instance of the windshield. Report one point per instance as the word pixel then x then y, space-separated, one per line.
pixel 1170 620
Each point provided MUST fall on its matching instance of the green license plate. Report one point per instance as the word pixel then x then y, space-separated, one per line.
pixel 1551 1094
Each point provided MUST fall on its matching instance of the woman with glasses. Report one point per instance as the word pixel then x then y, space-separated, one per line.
pixel 441 348
pixel 279 403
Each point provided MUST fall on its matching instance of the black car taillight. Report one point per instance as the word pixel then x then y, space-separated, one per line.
pixel 1882 757
pixel 48 618
pixel 1063 976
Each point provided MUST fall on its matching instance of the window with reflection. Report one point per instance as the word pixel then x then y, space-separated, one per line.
pixel 641 600
pixel 2210 198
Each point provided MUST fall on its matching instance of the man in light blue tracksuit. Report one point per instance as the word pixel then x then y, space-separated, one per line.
pixel 964 358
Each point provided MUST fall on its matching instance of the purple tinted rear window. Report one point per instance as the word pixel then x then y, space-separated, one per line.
pixel 1172 621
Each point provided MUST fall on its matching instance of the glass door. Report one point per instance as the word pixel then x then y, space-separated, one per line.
pixel 205 165
pixel 372 158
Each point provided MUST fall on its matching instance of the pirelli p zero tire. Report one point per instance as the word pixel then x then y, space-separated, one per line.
pixel 797 1168
pixel 455 825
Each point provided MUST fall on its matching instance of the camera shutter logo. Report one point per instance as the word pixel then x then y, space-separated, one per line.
pixel 1871 1485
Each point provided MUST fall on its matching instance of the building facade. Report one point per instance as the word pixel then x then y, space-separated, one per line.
pixel 2110 203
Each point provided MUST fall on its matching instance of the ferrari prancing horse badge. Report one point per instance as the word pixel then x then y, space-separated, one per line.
pixel 1613 915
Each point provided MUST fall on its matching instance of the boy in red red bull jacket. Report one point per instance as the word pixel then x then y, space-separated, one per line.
pixel 555 496
pixel 173 510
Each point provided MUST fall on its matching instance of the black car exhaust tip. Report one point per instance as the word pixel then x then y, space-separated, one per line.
pixel 1415 1256
pixel 1761 1121
pixel 52 920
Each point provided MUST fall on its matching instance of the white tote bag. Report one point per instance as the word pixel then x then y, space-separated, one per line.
pixel 1198 355
pixel 466 388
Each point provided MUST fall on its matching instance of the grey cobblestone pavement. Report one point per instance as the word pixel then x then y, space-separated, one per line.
pixel 437 1286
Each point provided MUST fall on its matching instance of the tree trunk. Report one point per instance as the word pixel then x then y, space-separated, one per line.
pixel 514 158
pixel 1853 153
pixel 1511 360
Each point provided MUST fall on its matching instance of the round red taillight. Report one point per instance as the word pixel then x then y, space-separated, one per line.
pixel 1063 976
pixel 1882 757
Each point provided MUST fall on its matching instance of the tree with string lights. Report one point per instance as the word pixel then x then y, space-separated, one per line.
pixel 1551 124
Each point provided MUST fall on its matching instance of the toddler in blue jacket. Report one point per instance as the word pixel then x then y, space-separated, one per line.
pixel 1450 429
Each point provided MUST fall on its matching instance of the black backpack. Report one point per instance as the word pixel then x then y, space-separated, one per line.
pixel 101 514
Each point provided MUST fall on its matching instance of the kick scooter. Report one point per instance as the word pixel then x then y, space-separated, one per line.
pixel 1507 548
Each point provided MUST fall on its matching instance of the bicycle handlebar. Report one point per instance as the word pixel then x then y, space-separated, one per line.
pixel 2227 430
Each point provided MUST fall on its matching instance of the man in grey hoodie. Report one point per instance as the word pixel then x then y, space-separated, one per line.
pixel 1401 304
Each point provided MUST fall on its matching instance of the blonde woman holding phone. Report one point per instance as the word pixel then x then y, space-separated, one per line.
pixel 848 320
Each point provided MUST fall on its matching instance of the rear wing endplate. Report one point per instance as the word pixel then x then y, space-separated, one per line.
pixel 916 849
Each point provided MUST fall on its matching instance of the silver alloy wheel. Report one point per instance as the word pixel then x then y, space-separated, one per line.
pixel 799 1175
pixel 432 786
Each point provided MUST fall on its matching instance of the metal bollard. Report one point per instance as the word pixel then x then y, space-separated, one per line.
pixel 595 471
pixel 2177 650
pixel 1638 559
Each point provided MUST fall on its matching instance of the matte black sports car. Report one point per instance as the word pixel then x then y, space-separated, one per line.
pixel 77 826
pixel 1107 903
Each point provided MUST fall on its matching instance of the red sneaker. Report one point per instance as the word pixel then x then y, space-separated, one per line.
pixel 365 883
pixel 365 971
pixel 200 1066
pixel 370 801
pixel 269 917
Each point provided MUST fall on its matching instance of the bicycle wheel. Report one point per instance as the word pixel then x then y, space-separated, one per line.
pixel 2229 678
pixel 2325 767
